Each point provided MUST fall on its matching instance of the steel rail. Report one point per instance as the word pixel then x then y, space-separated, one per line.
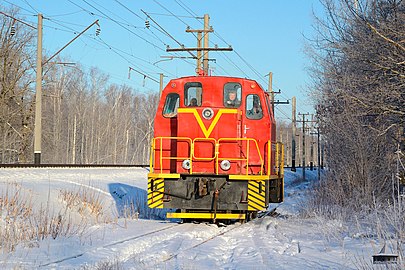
pixel 19 165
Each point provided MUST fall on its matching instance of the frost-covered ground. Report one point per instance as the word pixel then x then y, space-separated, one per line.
pixel 114 238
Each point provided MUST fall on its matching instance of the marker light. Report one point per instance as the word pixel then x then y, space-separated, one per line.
pixel 186 164
pixel 225 165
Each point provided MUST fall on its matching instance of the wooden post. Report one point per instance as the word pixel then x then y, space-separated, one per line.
pixel 206 43
pixel 303 144
pixel 199 40
pixel 271 92
pixel 161 84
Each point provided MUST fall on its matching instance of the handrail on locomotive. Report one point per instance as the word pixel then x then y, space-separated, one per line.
pixel 279 162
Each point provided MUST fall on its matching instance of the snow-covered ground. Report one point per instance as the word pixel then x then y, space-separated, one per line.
pixel 115 237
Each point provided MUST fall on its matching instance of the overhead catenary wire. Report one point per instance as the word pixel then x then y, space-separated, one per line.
pixel 187 9
pixel 259 76
pixel 112 48
pixel 13 4
pixel 108 15
pixel 116 22
pixel 161 29
pixel 115 50
pixel 170 12
pixel 36 11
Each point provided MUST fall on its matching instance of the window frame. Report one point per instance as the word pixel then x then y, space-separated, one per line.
pixel 227 89
pixel 170 107
pixel 198 96
pixel 248 103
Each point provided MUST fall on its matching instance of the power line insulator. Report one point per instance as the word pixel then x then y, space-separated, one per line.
pixel 98 30
pixel 147 24
pixel 12 32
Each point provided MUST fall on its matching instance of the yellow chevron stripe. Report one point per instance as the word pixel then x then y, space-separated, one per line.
pixel 258 201
pixel 256 190
pixel 155 200
pixel 256 194
pixel 153 195
pixel 207 132
pixel 255 185
pixel 160 187
pixel 254 207
pixel 156 181
pixel 156 185
pixel 156 205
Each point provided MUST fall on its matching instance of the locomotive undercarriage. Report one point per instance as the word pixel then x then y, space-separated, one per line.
pixel 212 193
pixel 213 197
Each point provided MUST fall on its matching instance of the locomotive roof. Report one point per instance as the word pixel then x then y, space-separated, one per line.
pixel 213 77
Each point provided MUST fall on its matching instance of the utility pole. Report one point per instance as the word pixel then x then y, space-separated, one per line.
pixel 206 43
pixel 38 97
pixel 294 104
pixel 38 88
pixel 201 51
pixel 303 144
pixel 161 84
pixel 319 151
pixel 271 91
pixel 311 163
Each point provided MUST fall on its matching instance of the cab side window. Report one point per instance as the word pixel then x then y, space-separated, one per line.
pixel 232 95
pixel 253 107
pixel 193 94
pixel 171 105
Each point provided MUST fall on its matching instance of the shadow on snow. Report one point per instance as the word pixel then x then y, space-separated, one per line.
pixel 131 202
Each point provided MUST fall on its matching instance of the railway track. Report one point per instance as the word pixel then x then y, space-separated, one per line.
pixel 115 243
pixel 83 166
pixel 174 255
pixel 73 166
pixel 141 237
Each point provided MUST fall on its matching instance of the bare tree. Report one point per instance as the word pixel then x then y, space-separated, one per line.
pixel 86 119
pixel 359 82
pixel 16 106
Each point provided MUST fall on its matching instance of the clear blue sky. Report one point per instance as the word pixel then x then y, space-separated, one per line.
pixel 266 35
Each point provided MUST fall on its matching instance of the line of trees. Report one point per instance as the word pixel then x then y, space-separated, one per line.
pixel 86 119
pixel 359 88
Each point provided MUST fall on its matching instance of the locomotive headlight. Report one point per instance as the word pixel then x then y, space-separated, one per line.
pixel 186 164
pixel 225 165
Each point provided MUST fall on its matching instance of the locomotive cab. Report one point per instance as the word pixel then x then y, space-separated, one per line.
pixel 213 154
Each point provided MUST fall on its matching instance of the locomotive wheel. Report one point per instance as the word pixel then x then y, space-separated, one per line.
pixel 250 215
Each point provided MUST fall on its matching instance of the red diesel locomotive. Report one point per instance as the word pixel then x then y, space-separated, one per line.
pixel 213 154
